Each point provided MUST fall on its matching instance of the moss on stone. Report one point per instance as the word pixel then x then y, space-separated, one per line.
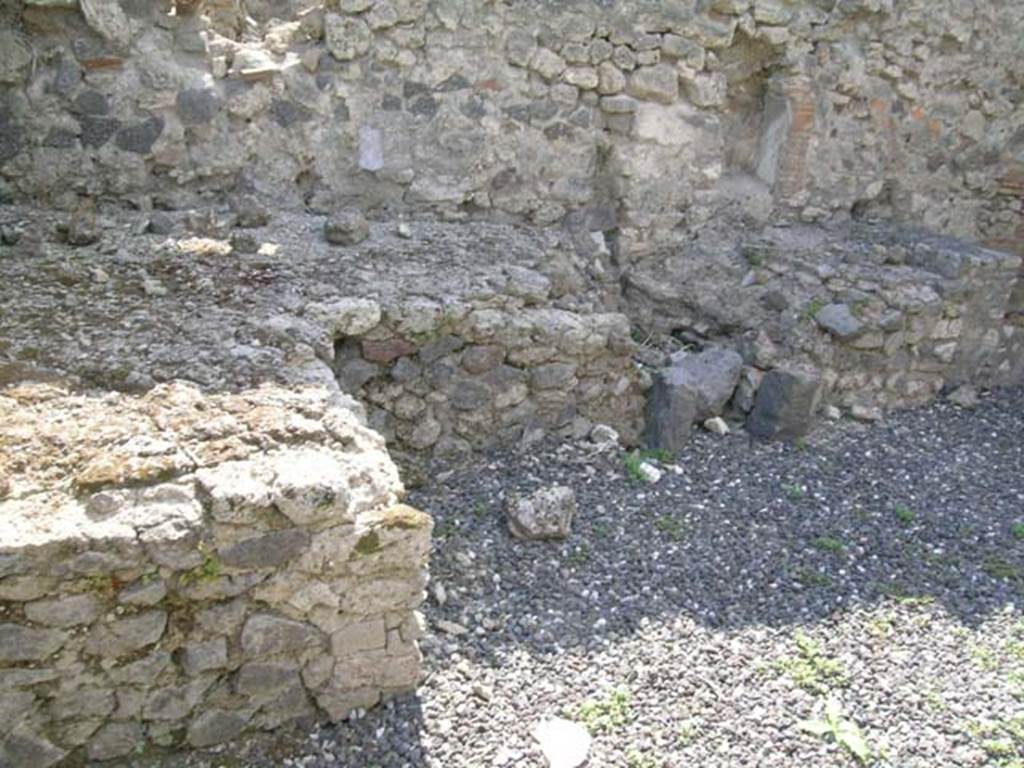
pixel 368 544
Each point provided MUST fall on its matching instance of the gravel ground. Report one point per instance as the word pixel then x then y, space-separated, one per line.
pixel 697 621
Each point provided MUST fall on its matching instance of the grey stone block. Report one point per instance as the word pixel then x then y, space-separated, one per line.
pixel 127 635
pixel 198 105
pixel 785 404
pixel 18 643
pixel 64 611
pixel 215 726
pixel 257 679
pixel 839 321
pixel 204 656
pixel 115 740
pixel 270 550
pixel 671 410
pixel 712 374
pixel 265 634
pixel 139 138
pixel 21 747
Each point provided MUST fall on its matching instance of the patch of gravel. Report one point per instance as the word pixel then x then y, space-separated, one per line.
pixel 875 564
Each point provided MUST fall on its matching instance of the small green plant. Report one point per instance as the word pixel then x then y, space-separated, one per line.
pixel 808 577
pixel 882 626
pixel 101 583
pixel 637 759
pixel 1015 684
pixel 634 459
pixel 828 544
pixel 673 528
pixel 689 731
pixel 998 568
pixel 1017 531
pixel 608 714
pixel 602 530
pixel 984 657
pixel 580 555
pixel 904 514
pixel 632 462
pixel 901 593
pixel 811 669
pixel 658 454
pixel 813 308
pixel 935 701
pixel 844 732
pixel 754 257
pixel 208 570
pixel 445 528
pixel 1002 740
pixel 793 491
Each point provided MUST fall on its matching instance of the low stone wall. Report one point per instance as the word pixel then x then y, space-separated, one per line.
pixel 176 568
pixel 454 378
pixel 454 336
pixel 881 317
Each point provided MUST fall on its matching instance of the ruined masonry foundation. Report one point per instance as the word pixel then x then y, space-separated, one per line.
pixel 176 568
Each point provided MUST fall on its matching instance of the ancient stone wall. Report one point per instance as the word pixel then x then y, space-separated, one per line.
pixel 177 568
pixel 886 318
pixel 642 119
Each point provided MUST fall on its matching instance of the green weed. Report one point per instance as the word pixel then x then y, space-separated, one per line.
pixel 811 669
pixel 609 714
pixel 673 528
pixel 904 514
pixel 998 568
pixel 793 491
pixel 208 570
pixel 808 577
pixel 580 555
pixel 844 732
pixel 634 459
pixel 828 544
pixel 637 759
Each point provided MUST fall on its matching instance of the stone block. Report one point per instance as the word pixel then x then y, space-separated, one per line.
pixel 204 656
pixel 671 410
pixel 22 747
pixel 785 404
pixel 658 83
pixel 114 740
pixel 712 374
pixel 18 643
pixel 64 611
pixel 545 514
pixel 358 636
pixel 270 550
pixel 346 229
pixel 260 680
pixel 121 637
pixel 215 726
pixel 264 634
pixel 839 321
